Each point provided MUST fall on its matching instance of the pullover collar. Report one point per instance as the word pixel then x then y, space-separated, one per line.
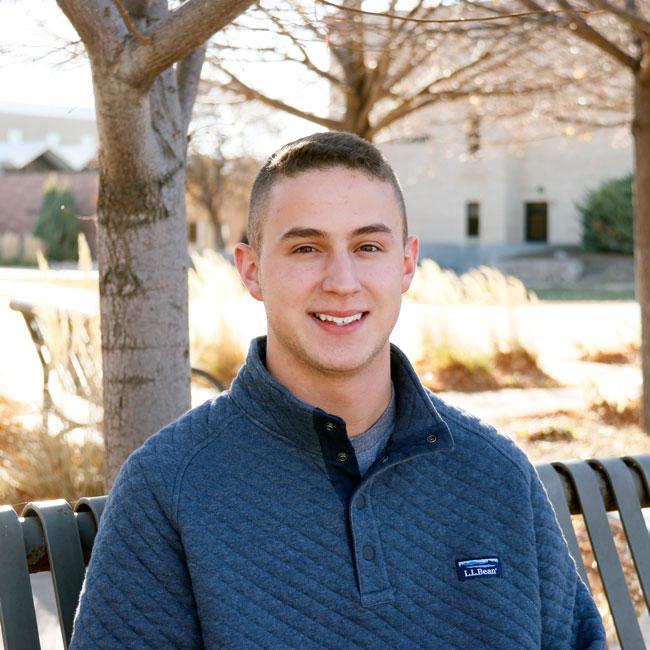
pixel 419 428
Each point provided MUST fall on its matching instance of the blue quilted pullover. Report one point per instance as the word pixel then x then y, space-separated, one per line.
pixel 245 524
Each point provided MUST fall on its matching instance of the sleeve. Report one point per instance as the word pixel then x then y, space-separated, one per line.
pixel 137 591
pixel 570 618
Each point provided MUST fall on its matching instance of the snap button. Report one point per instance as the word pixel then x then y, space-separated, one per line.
pixel 329 426
pixel 342 456
pixel 368 552
pixel 361 501
pixel 432 438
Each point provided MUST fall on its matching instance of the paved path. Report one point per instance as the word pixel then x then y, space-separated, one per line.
pixel 46 615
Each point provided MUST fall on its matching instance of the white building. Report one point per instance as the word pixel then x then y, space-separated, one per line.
pixel 38 144
pixel 504 200
pixel 43 138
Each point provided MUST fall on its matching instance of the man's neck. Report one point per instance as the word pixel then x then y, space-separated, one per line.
pixel 359 398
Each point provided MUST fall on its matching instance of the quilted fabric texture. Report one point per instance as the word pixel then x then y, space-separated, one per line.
pixel 245 524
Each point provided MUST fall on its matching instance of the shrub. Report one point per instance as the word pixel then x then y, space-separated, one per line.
pixel 607 217
pixel 58 226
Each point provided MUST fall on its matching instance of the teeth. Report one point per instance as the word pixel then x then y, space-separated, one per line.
pixel 339 321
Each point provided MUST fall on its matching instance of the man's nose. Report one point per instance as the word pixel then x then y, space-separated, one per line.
pixel 341 275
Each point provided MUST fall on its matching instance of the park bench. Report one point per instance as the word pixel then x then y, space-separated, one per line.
pixel 51 536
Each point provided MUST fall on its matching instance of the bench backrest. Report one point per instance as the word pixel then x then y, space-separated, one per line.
pixel 592 489
pixel 49 535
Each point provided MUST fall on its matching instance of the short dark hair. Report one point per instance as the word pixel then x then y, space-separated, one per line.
pixel 319 151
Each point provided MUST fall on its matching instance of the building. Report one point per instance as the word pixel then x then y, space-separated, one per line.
pixel 37 143
pixel 503 200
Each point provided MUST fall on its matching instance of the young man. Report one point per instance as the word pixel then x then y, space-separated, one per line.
pixel 329 500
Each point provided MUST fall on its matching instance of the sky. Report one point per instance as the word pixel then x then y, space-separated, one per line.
pixel 28 30
pixel 34 69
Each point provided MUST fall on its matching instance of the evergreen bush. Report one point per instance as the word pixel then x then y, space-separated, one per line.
pixel 58 225
pixel 607 217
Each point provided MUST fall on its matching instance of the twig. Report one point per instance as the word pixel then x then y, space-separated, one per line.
pixel 145 40
pixel 441 21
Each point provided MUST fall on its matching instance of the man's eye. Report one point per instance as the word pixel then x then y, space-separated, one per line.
pixel 369 248
pixel 304 249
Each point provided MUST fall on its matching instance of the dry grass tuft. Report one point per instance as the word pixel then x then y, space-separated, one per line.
pixel 482 286
pixel 450 360
pixel 457 375
pixel 35 464
pixel 551 434
pixel 518 368
pixel 617 413
pixel 628 352
pixel 510 369
pixel 216 298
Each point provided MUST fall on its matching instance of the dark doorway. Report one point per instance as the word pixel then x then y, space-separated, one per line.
pixel 473 215
pixel 537 222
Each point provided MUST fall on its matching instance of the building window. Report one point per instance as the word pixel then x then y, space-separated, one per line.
pixel 53 139
pixel 473 134
pixel 537 221
pixel 14 136
pixel 191 232
pixel 473 213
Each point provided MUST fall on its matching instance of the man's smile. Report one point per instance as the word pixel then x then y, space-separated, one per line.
pixel 339 320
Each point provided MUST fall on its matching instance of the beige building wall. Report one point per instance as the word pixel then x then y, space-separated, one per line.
pixel 439 178
pixel 57 126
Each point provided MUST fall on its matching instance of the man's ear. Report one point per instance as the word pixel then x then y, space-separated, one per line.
pixel 411 250
pixel 247 264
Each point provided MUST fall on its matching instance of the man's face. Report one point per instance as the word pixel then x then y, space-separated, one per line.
pixel 331 269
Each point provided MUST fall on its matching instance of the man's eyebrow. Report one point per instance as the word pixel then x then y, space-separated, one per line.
pixel 315 233
pixel 300 233
pixel 372 229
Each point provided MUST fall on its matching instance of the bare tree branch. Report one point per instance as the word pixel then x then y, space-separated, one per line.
pixel 93 20
pixel 186 29
pixel 635 21
pixel 251 93
pixel 306 61
pixel 188 75
pixel 129 23
pixel 585 31
pixel 444 21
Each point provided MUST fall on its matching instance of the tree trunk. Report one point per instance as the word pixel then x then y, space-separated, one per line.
pixel 143 260
pixel 220 244
pixel 641 133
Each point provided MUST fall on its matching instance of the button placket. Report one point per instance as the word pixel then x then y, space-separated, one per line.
pixel 374 585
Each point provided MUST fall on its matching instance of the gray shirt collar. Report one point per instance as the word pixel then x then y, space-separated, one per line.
pixel 276 409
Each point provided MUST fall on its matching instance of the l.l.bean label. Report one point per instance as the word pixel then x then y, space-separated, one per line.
pixel 482 567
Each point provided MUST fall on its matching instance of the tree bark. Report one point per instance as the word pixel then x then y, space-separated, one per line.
pixel 143 259
pixel 143 108
pixel 641 133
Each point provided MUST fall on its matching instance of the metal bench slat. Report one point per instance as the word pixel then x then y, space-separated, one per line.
pixel 19 628
pixel 65 554
pixel 586 484
pixel 557 496
pixel 629 508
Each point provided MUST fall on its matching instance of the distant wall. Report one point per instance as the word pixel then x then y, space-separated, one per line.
pixel 439 178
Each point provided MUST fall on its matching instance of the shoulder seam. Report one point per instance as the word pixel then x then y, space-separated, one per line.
pixel 187 459
pixel 448 413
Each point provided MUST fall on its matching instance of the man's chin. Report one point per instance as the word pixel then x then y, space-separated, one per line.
pixel 342 364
